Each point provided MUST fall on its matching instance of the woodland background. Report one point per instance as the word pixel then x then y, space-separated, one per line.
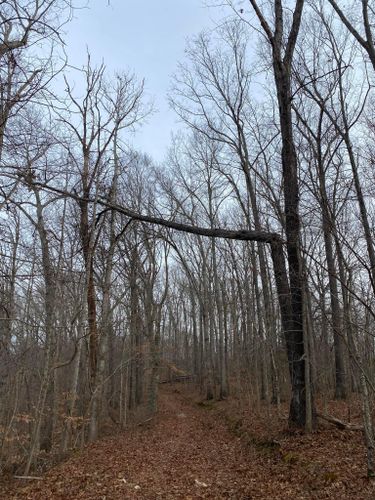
pixel 245 262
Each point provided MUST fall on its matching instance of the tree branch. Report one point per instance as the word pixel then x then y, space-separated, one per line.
pixel 239 234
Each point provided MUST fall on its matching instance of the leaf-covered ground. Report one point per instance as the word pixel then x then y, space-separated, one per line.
pixel 217 451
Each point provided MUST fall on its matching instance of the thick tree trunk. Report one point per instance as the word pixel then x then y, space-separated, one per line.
pixel 294 345
pixel 49 305
pixel 67 433
pixel 294 332
pixel 283 46
pixel 155 370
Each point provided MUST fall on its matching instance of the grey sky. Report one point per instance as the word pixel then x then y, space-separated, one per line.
pixel 146 37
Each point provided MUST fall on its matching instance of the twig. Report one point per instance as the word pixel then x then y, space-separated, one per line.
pixel 29 477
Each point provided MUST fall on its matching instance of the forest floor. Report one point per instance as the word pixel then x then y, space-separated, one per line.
pixel 218 450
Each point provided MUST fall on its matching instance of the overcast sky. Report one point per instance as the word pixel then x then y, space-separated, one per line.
pixel 147 38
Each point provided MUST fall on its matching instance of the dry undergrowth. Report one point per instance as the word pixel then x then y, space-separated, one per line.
pixel 213 450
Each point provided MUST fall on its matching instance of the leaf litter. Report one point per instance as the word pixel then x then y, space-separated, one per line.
pixel 225 453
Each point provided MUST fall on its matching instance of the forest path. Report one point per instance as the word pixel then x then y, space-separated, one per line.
pixel 185 453
pixel 192 450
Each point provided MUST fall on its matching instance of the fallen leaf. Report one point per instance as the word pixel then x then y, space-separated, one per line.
pixel 199 483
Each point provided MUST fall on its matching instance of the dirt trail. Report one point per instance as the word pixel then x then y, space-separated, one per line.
pixel 186 452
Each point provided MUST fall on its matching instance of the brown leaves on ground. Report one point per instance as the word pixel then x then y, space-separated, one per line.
pixel 193 451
